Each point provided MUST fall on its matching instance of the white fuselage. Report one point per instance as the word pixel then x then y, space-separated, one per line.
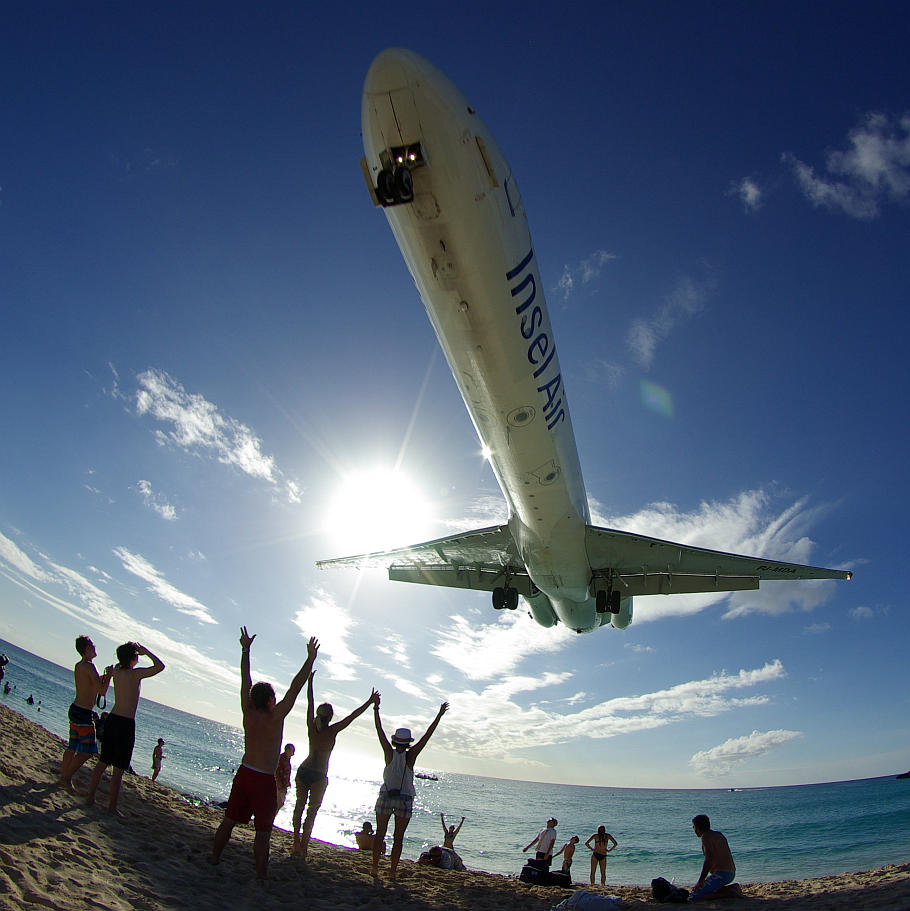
pixel 466 241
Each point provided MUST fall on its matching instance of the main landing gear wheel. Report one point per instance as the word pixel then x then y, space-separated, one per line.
pixel 505 598
pixel 385 187
pixel 607 601
pixel 404 184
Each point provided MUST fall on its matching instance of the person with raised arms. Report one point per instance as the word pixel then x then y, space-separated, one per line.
pixel 254 792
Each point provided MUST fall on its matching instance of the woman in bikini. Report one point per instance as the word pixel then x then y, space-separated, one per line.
pixel 313 773
pixel 599 852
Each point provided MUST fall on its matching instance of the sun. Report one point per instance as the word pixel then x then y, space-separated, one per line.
pixel 378 509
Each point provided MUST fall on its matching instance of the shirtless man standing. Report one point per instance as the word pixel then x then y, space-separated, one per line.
pixel 89 685
pixel 254 792
pixel 718 870
pixel 313 772
pixel 120 727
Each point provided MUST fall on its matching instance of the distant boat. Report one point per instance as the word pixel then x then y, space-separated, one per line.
pixel 426 776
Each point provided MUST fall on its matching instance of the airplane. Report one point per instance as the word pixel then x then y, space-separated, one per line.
pixel 455 209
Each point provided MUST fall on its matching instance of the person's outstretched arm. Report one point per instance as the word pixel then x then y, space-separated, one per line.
pixel 341 725
pixel 380 733
pixel 525 848
pixel 459 827
pixel 413 752
pixel 301 677
pixel 246 681
pixel 310 712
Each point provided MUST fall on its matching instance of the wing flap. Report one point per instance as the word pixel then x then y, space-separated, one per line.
pixel 476 559
pixel 635 556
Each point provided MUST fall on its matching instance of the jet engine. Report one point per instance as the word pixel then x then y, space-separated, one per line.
pixel 541 609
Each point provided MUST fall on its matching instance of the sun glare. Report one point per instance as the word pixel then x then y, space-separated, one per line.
pixel 378 509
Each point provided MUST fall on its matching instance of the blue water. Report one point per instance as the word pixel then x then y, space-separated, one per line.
pixel 775 833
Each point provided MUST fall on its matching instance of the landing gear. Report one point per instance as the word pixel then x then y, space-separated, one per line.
pixel 607 601
pixel 395 187
pixel 385 187
pixel 505 598
pixel 404 184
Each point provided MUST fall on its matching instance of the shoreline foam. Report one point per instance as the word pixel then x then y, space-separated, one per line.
pixel 59 854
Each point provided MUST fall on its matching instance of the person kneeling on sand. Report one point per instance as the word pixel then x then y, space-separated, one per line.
pixel 254 792
pixel 443 858
pixel 718 870
pixel 568 852
pixel 120 727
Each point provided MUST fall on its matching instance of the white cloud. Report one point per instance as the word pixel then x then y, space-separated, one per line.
pixel 156 502
pixel 332 625
pixel 748 192
pixel 874 168
pixel 492 724
pixel 582 273
pixel 495 649
pixel 862 613
pixel 197 425
pixel 682 303
pixel 745 524
pixel 92 607
pixel 158 585
pixel 721 760
pixel 12 554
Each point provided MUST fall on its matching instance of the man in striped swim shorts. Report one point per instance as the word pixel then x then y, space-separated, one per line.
pixel 89 685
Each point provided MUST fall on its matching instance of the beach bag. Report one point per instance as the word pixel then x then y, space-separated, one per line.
pixel 664 891
pixel 589 901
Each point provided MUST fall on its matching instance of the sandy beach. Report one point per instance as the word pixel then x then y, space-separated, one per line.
pixel 57 853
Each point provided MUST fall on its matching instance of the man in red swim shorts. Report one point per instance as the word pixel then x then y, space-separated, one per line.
pixel 254 793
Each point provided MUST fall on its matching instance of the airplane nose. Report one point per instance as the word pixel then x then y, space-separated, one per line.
pixel 391 70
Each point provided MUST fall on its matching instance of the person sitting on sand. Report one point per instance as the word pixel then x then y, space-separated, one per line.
pixel 545 840
pixel 365 838
pixel 718 870
pixel 599 852
pixel 313 773
pixel 89 685
pixel 157 756
pixel 448 834
pixel 253 791
pixel 283 773
pixel 396 795
pixel 120 727
pixel 568 852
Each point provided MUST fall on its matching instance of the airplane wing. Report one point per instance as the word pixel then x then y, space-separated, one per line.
pixel 477 560
pixel 651 566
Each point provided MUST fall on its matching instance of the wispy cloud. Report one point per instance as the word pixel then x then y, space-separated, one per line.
pixel 686 299
pixel 749 193
pixel 73 595
pixel 582 273
pixel 156 502
pixel 158 585
pixel 495 649
pixel 491 723
pixel 332 625
pixel 746 524
pixel 198 426
pixel 723 758
pixel 873 169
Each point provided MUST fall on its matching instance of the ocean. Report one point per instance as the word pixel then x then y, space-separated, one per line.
pixel 775 833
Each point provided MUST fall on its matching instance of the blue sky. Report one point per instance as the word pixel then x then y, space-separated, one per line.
pixel 210 336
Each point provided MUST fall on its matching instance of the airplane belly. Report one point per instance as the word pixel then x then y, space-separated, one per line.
pixel 466 242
